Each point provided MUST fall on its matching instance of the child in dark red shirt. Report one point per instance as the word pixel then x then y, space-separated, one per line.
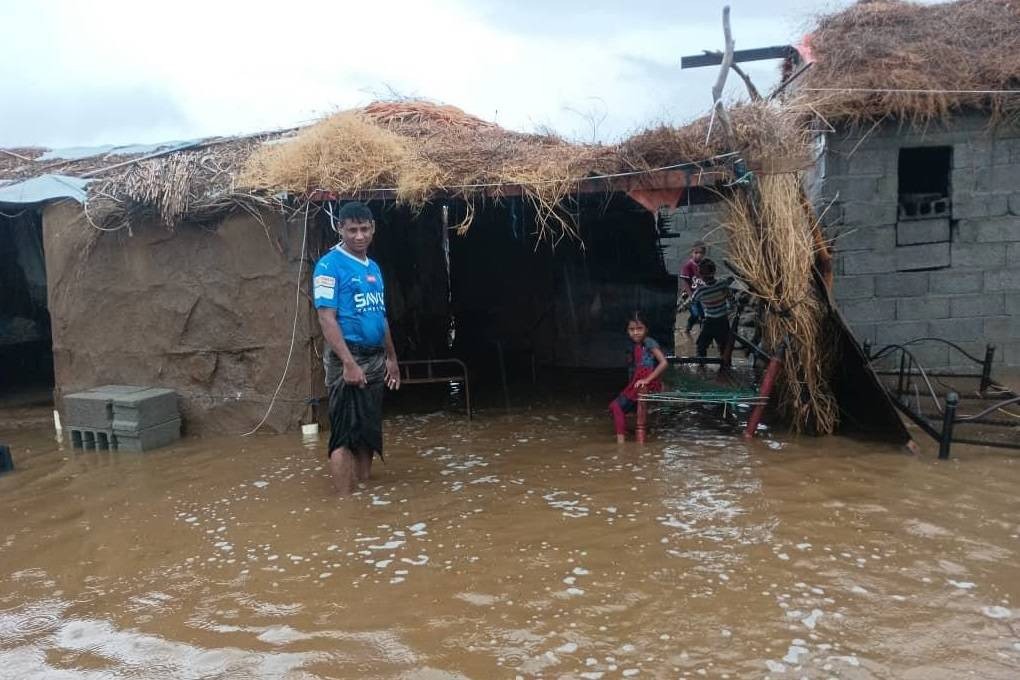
pixel 690 280
pixel 646 362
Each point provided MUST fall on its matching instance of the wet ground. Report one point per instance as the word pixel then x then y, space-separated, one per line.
pixel 527 544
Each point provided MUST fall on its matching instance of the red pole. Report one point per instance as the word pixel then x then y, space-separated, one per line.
pixel 767 384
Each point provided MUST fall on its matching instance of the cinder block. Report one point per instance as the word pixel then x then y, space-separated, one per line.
pixel 1010 353
pixel 850 188
pixel 931 355
pixel 970 205
pixel 1013 305
pixel 998 229
pixel 996 328
pixel 872 162
pixel 880 237
pixel 954 281
pixel 1002 279
pixel 977 255
pixel 955 330
pixel 909 284
pixel 89 439
pixel 929 256
pixel 854 287
pixel 1014 204
pixel 858 213
pixel 140 410
pixel 150 437
pixel 867 262
pixel 975 153
pixel 980 304
pixel 914 232
pixel 997 178
pixel 922 309
pixel 900 332
pixel 94 408
pixel 874 309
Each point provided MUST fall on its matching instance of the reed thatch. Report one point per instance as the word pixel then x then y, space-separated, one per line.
pixel 925 58
pixel 772 242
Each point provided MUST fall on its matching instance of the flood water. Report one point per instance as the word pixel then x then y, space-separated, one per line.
pixel 525 545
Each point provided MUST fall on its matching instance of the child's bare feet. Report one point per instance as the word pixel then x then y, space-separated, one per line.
pixel 620 439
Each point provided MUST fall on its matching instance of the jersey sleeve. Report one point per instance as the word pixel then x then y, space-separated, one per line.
pixel 324 286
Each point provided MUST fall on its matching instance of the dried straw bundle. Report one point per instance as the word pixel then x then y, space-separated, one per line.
pixel 346 152
pixel 418 149
pixel 771 240
pixel 897 45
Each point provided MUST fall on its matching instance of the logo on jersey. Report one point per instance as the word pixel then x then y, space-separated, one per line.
pixel 371 278
pixel 369 302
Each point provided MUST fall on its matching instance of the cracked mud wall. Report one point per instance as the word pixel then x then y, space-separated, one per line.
pixel 206 311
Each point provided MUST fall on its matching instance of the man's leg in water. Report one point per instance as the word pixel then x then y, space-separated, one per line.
pixel 364 465
pixel 342 468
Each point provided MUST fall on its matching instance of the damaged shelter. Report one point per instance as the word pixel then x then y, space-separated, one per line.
pixel 186 265
pixel 917 179
pixel 914 111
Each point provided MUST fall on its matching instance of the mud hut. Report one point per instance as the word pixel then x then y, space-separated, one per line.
pixel 186 265
pixel 917 113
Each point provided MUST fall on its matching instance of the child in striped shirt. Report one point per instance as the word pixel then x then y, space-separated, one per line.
pixel 715 298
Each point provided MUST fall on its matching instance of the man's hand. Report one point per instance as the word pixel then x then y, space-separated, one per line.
pixel 353 375
pixel 392 374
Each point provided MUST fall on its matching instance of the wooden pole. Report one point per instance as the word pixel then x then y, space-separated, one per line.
pixel 767 384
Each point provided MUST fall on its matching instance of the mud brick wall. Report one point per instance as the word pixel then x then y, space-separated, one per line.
pixel 203 310
pixel 956 277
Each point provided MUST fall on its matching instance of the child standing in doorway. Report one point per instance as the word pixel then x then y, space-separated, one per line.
pixel 690 280
pixel 646 363
pixel 715 298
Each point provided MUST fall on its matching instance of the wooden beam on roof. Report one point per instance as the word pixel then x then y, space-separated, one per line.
pixel 685 178
pixel 710 58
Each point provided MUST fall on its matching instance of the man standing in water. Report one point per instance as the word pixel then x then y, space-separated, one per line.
pixel 359 357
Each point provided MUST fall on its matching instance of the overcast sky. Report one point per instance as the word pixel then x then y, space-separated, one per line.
pixel 83 73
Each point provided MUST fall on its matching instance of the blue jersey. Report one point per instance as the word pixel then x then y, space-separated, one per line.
pixel 354 288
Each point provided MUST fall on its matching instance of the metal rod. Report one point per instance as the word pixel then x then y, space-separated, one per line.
pixel 948 419
pixel 986 369
pixel 992 444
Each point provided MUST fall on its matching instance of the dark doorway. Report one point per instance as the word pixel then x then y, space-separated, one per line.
pixel 26 345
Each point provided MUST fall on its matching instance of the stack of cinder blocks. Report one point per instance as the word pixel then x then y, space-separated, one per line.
pixel 124 417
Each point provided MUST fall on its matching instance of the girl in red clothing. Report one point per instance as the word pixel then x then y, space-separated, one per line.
pixel 646 363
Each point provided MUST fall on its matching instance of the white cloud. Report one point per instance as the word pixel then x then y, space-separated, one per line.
pixel 125 71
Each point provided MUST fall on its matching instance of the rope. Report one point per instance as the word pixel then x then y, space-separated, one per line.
pixel 878 90
pixel 293 332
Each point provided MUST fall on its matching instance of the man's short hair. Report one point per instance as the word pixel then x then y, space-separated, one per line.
pixel 354 211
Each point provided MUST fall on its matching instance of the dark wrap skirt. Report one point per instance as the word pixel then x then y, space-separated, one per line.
pixel 355 411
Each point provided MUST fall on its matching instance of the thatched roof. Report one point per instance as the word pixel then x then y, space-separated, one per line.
pixel 406 150
pixel 915 62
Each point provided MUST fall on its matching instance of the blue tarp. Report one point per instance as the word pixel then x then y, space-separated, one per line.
pixel 43 188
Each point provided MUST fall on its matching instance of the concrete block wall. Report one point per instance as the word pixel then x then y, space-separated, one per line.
pixel 955 278
pixel 687 224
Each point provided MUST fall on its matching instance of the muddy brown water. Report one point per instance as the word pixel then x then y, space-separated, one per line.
pixel 524 545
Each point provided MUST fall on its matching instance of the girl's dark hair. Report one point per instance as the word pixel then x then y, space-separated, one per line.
pixel 354 211
pixel 637 317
